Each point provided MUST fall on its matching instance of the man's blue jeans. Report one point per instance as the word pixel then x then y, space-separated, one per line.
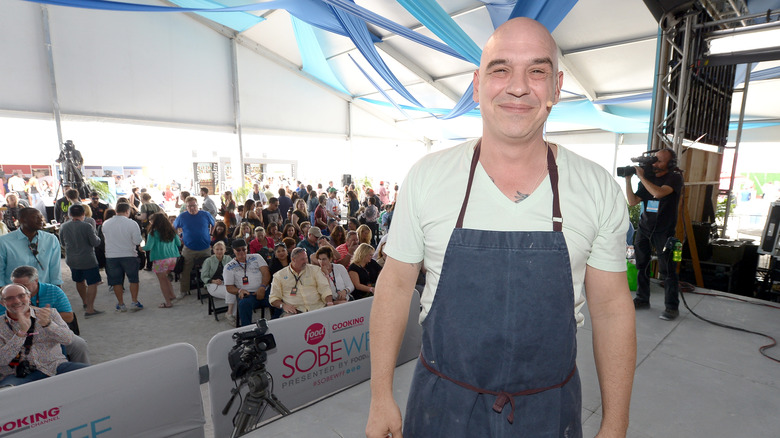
pixel 248 304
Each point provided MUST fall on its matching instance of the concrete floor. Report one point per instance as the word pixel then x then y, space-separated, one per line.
pixel 693 379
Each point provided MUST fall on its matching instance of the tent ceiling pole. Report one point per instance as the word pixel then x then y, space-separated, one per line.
pixel 736 150
pixel 50 61
pixel 237 108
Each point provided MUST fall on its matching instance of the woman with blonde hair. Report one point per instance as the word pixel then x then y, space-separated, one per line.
pixel 364 234
pixel 244 231
pixel 360 271
pixel 299 215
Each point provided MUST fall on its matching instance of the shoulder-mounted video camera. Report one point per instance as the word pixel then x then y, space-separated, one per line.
pixel 644 161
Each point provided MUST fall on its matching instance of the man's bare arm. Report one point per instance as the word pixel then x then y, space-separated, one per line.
pixel 614 345
pixel 389 315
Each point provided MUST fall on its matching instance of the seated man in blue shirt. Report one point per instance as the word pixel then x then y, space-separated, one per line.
pixel 44 294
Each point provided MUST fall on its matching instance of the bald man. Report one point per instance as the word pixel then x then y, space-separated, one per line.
pixel 542 228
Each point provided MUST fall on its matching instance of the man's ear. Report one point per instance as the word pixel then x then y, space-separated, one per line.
pixel 475 94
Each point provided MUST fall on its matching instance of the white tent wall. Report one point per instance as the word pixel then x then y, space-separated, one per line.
pixel 24 73
pixel 135 86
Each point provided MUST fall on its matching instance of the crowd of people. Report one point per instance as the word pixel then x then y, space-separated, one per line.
pixel 262 253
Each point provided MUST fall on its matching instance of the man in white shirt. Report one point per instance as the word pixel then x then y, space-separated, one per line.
pixel 122 236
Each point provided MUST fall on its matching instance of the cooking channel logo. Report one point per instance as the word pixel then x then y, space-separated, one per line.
pixel 29 421
pixel 322 362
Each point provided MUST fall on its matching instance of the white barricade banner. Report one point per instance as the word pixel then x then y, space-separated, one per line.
pixel 151 394
pixel 317 354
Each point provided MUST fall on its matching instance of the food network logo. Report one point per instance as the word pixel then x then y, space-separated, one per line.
pixel 314 334
pixel 30 421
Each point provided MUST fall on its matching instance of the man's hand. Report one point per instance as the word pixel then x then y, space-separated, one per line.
pixel 640 172
pixel 44 315
pixel 384 418
pixel 24 323
pixel 242 293
pixel 217 282
pixel 288 308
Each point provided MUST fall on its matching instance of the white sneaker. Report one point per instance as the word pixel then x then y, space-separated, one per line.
pixel 231 318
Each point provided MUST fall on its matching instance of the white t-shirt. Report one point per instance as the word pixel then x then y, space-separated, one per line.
pixel 595 217
pixel 233 273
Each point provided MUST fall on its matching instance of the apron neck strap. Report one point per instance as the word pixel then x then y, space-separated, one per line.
pixel 552 168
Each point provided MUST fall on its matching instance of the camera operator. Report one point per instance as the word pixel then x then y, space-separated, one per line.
pixel 30 339
pixel 660 186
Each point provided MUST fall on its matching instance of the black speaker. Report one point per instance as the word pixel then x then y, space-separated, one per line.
pixel 770 234
pixel 661 7
pixel 346 179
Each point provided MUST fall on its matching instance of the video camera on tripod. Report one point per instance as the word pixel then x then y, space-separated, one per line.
pixel 247 360
pixel 644 161
pixel 249 353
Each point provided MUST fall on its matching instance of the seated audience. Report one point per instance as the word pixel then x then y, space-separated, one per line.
pixel 290 231
pixel 310 243
pixel 244 231
pixel 304 230
pixel 300 287
pixel 219 233
pixel 280 260
pixel 338 236
pixel 247 276
pixel 211 274
pixel 352 224
pixel 289 243
pixel 338 278
pixel 299 215
pixel 347 249
pixel 363 275
pixel 44 295
pixel 273 232
pixel 249 215
pixel 261 244
pixel 364 234
pixel 31 339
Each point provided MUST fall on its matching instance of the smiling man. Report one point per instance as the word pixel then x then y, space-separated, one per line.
pixel 30 339
pixel 530 228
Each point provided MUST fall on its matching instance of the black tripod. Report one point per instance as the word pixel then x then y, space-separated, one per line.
pixel 253 405
pixel 247 363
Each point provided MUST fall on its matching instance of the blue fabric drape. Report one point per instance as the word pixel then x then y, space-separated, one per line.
pixel 378 88
pixel 238 21
pixel 312 57
pixel 358 33
pixel 384 23
pixel 438 21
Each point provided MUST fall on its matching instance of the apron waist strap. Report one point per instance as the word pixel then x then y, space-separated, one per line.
pixel 502 397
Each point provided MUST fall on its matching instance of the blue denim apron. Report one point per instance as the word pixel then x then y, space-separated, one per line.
pixel 499 349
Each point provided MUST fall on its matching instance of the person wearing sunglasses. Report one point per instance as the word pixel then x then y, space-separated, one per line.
pixel 30 245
